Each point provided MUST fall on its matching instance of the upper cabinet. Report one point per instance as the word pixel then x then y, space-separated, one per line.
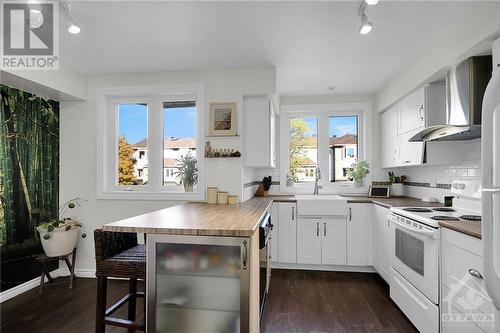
pixel 259 123
pixel 389 137
pixel 423 108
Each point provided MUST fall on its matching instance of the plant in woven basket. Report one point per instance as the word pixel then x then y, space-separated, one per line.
pixel 59 235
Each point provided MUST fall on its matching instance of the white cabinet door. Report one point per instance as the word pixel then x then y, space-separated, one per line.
pixel 411 112
pixel 275 232
pixel 308 241
pixel 333 244
pixel 359 235
pixel 287 233
pixel 389 137
pixel 382 242
pixel 259 131
pixel 410 153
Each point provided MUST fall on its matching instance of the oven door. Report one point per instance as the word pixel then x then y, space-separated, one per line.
pixel 416 254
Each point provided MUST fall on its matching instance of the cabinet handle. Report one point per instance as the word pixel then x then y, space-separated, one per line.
pixel 317 229
pixel 293 213
pixel 350 214
pixel 420 112
pixel 324 230
pixel 244 254
pixel 475 273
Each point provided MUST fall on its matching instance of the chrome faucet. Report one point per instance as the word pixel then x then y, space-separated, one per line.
pixel 317 177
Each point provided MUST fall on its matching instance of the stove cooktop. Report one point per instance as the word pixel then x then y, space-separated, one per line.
pixel 433 215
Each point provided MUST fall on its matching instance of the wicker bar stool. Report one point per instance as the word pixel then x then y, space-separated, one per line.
pixel 118 255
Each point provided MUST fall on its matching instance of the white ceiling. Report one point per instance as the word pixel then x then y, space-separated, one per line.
pixel 312 44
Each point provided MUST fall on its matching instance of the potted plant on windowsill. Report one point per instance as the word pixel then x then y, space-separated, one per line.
pixel 358 172
pixel 58 236
pixel 188 172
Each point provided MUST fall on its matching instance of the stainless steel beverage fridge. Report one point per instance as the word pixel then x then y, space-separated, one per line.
pixel 197 284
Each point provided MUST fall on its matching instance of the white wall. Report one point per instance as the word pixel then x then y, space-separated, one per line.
pixel 61 85
pixel 78 144
pixel 471 34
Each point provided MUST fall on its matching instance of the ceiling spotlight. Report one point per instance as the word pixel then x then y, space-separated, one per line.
pixel 366 26
pixel 371 2
pixel 36 18
pixel 73 28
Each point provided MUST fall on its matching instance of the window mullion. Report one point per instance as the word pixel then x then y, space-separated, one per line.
pixel 155 143
pixel 323 138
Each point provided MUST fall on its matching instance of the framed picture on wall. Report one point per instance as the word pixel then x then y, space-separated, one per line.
pixel 222 119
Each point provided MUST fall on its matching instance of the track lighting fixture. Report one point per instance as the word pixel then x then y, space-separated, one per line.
pixel 72 27
pixel 366 26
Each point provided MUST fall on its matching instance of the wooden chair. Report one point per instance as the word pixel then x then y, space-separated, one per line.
pixel 118 255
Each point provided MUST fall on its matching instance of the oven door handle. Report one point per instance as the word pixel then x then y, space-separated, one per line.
pixel 427 233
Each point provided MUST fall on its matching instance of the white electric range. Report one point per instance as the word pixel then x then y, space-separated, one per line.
pixel 415 258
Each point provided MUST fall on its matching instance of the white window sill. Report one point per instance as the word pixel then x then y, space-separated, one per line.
pixel 142 195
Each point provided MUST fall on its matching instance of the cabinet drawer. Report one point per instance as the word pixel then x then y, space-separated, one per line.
pixel 458 315
pixel 461 258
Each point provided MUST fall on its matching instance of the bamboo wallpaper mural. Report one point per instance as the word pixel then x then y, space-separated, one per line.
pixel 29 179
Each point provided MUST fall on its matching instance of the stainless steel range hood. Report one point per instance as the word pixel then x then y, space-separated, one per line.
pixel 465 86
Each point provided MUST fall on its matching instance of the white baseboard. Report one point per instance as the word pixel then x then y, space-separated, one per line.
pixel 330 268
pixel 22 288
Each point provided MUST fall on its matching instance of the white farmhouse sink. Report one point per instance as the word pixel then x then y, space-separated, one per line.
pixel 321 205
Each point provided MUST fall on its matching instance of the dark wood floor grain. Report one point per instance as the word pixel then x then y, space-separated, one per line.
pixel 314 301
pixel 299 301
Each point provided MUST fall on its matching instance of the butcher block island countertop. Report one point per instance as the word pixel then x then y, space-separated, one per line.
pixel 199 219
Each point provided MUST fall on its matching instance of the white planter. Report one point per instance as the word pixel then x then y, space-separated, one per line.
pixel 61 242
pixel 358 183
pixel 397 190
pixel 188 188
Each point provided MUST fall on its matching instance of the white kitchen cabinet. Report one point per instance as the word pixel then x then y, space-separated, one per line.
pixel 382 242
pixel 409 153
pixel 308 241
pixel 411 114
pixel 287 232
pixel 462 284
pixel 359 235
pixel 275 219
pixel 333 242
pixel 259 122
pixel 389 137
pixel 321 241
pixel 422 108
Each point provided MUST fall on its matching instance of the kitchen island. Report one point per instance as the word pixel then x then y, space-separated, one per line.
pixel 202 265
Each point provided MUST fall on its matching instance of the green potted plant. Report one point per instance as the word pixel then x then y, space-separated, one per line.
pixel 188 172
pixel 58 236
pixel 358 172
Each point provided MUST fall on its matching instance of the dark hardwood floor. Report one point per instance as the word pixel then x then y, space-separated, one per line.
pixel 299 301
pixel 317 301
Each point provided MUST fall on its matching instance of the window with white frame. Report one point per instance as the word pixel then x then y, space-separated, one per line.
pixel 322 136
pixel 151 143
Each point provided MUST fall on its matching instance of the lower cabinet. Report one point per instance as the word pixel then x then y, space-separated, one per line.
pixel 359 234
pixel 382 242
pixel 321 241
pixel 465 303
pixel 287 232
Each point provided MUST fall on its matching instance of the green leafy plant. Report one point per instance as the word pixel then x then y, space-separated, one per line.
pixel 359 170
pixel 188 172
pixel 62 222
